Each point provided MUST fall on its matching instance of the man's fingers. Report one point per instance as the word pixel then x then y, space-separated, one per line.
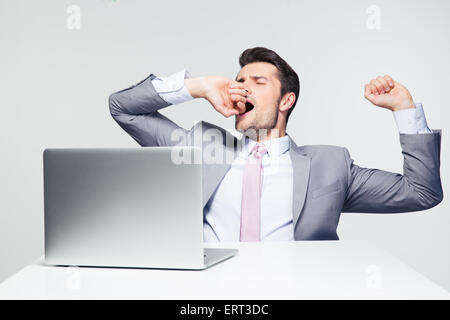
pixel 228 112
pixel 238 98
pixel 241 107
pixel 367 91
pixel 378 86
pixel 240 86
pixel 236 85
pixel 242 92
pixel 373 89
pixel 384 83
pixel 381 85
pixel 373 97
pixel 389 80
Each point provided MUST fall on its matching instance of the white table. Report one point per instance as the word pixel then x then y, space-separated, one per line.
pixel 268 270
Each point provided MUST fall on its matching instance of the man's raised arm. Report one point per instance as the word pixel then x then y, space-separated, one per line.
pixel 135 108
pixel 419 188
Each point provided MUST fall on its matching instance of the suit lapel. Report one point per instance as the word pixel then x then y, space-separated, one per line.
pixel 213 173
pixel 301 164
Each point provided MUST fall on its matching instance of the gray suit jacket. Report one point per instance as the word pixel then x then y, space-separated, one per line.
pixel 326 182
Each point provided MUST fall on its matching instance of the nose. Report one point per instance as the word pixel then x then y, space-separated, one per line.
pixel 247 88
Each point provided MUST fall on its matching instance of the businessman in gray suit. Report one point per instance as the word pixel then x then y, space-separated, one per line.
pixel 273 189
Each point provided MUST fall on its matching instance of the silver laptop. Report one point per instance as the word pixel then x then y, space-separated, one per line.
pixel 127 207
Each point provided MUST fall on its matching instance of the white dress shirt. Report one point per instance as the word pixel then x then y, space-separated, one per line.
pixel 223 211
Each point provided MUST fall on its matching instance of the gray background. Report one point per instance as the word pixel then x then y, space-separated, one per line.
pixel 55 83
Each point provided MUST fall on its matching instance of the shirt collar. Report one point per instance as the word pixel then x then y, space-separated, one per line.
pixel 275 147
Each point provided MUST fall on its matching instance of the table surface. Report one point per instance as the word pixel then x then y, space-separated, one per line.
pixel 261 270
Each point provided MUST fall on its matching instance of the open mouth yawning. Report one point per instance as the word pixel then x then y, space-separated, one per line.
pixel 248 107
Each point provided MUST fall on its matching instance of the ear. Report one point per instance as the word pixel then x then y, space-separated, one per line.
pixel 287 102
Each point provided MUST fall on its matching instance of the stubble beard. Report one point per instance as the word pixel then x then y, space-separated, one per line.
pixel 259 128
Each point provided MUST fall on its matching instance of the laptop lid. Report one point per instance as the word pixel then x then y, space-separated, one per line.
pixel 123 207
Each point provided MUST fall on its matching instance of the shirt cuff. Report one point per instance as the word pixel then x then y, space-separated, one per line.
pixel 412 120
pixel 172 88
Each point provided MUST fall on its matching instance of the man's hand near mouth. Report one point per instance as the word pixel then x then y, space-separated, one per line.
pixel 227 96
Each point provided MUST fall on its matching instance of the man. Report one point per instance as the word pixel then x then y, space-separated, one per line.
pixel 273 189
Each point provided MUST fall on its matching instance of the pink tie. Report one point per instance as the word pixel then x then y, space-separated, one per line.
pixel 251 195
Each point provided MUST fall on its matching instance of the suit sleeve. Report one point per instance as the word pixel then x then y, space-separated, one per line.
pixel 419 188
pixel 135 109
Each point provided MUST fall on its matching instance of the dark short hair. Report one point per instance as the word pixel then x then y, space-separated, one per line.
pixel 287 76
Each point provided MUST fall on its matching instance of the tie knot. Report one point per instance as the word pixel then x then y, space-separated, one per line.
pixel 258 150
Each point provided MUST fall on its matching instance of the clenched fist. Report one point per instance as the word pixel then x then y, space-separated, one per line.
pixel 387 93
